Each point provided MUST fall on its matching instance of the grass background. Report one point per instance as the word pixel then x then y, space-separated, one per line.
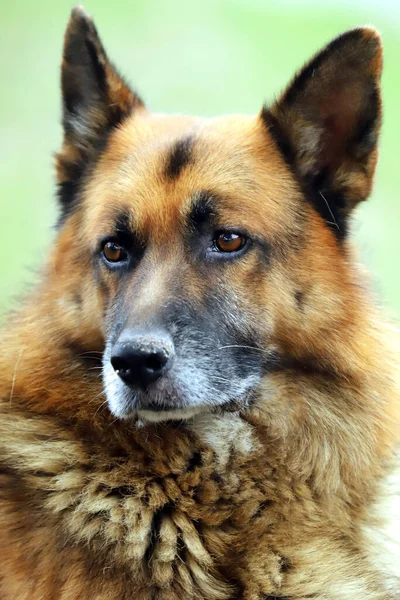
pixel 183 56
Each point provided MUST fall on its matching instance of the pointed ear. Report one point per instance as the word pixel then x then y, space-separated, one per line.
pixel 327 123
pixel 95 101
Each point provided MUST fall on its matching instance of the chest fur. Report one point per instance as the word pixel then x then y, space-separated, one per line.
pixel 162 514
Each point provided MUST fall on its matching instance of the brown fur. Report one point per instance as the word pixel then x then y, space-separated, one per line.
pixel 273 501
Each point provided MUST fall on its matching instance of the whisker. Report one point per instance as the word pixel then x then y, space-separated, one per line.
pixel 329 208
pixel 15 375
pixel 99 407
pixel 240 346
pixel 269 353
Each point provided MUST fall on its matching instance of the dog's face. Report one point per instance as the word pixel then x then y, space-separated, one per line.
pixel 185 266
pixel 206 253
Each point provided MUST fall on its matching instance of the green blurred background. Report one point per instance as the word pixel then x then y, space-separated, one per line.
pixel 207 57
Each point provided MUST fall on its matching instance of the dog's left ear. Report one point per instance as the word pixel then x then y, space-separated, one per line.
pixel 327 123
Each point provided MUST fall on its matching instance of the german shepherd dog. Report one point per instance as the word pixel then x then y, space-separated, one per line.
pixel 199 400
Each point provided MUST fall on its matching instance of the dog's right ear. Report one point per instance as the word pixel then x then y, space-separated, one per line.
pixel 95 101
pixel 327 122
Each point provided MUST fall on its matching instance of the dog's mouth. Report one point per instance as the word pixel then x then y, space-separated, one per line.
pixel 144 406
pixel 153 378
pixel 176 400
pixel 233 405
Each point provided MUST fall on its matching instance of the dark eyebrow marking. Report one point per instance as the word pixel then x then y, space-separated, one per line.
pixel 123 225
pixel 203 209
pixel 124 231
pixel 179 157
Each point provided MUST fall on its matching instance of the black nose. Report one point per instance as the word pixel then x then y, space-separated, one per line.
pixel 140 359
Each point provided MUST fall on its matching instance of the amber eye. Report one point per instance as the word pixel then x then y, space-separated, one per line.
pixel 230 242
pixel 114 252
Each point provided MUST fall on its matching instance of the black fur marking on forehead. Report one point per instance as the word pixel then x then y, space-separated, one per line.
pixel 179 157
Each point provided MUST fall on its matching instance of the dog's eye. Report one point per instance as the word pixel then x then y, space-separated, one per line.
pixel 114 252
pixel 228 241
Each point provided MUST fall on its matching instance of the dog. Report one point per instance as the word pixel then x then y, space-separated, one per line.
pixel 199 400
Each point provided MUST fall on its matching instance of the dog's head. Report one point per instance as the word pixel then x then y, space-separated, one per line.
pixel 204 253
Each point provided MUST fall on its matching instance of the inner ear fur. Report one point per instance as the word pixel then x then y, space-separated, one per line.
pixel 327 122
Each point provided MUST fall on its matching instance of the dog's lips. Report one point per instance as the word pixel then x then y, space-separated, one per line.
pixel 147 410
pixel 170 414
pixel 155 407
pixel 155 411
pixel 158 399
